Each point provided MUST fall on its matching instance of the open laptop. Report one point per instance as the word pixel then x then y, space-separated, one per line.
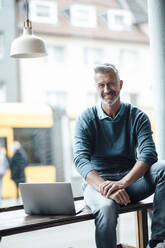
pixel 48 198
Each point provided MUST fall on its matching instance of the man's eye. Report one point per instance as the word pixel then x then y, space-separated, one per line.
pixel 101 85
pixel 111 83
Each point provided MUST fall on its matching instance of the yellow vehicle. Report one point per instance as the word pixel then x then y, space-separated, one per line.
pixel 30 124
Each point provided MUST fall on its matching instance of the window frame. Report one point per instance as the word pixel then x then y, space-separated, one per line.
pixel 53 18
pixel 93 55
pixel 129 57
pixel 52 54
pixel 127 19
pixel 91 21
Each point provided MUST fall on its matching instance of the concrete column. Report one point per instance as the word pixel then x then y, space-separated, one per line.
pixel 156 12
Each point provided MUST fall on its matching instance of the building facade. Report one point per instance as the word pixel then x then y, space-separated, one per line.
pixel 80 34
pixel 9 79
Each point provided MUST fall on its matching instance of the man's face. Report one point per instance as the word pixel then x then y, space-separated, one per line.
pixel 108 87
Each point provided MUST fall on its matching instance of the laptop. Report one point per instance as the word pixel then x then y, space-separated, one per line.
pixel 48 198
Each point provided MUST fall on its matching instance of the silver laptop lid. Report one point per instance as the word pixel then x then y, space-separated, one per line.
pixel 47 198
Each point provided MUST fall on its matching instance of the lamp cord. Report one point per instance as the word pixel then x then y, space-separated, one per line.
pixel 27 23
pixel 27 10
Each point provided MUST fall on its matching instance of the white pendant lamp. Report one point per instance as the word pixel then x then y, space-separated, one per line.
pixel 28 45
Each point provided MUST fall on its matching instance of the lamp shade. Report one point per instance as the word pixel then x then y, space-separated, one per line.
pixel 28 46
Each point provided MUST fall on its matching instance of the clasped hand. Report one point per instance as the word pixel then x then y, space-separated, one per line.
pixel 114 190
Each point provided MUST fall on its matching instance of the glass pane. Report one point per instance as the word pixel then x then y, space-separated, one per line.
pixel 43 11
pixel 129 59
pixel 57 54
pixel 119 20
pixel 47 94
pixel 36 143
pixel 83 16
pixel 93 55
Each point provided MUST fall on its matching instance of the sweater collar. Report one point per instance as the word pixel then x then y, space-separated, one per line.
pixel 102 115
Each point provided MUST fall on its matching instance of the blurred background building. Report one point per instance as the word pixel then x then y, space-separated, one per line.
pixel 80 34
pixel 9 78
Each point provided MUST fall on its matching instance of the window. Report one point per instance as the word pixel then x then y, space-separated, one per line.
pixel 57 99
pixel 2 91
pixel 119 20
pixel 43 11
pixel 93 55
pixel 131 97
pixel 36 142
pixel 1 45
pixel 91 98
pixel 56 54
pixel 128 60
pixel 83 16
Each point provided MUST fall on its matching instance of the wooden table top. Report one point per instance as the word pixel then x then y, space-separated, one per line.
pixel 16 221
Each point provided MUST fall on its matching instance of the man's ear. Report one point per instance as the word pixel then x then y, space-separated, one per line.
pixel 121 84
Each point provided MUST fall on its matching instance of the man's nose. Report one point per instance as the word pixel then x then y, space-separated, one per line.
pixel 106 89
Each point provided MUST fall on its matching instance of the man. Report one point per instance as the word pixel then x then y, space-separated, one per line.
pixel 115 154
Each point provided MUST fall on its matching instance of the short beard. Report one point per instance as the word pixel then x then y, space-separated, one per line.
pixel 111 103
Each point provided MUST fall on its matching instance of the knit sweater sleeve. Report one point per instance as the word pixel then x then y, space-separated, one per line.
pixel 83 146
pixel 146 145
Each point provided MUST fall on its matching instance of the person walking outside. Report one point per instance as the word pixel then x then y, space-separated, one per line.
pixel 18 162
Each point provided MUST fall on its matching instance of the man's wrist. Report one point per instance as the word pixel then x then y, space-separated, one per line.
pixel 124 183
pixel 100 186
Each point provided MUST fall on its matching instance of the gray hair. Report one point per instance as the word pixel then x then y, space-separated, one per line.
pixel 106 67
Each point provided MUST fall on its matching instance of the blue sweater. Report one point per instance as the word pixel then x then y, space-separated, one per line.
pixel 112 145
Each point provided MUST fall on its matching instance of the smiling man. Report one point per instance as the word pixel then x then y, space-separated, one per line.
pixel 115 154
